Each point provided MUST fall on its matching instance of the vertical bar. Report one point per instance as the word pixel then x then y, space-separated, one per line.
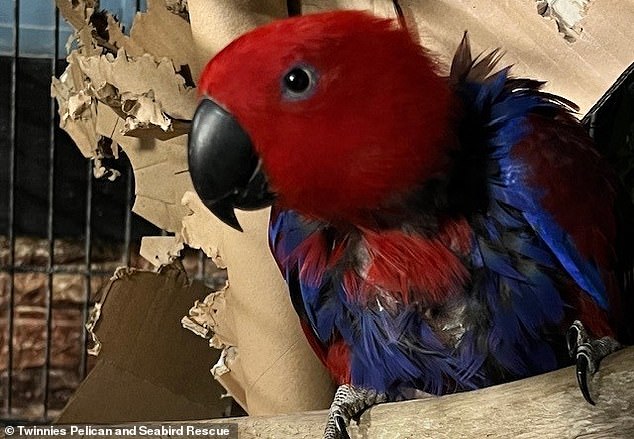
pixel 294 7
pixel 11 201
pixel 399 13
pixel 127 238
pixel 88 273
pixel 128 217
pixel 50 229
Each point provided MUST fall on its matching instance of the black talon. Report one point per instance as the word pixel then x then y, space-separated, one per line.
pixel 583 364
pixel 572 337
pixel 348 403
pixel 341 427
pixel 588 353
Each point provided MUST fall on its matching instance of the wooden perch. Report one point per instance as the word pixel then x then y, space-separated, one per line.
pixel 545 406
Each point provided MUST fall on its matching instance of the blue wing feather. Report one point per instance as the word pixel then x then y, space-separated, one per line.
pixel 519 241
pixel 508 185
pixel 317 304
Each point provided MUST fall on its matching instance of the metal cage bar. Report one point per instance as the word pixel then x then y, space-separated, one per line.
pixel 83 367
pixel 13 123
pixel 50 232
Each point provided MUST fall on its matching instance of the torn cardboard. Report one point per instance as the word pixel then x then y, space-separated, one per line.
pixel 148 30
pixel 148 368
pixel 129 77
pixel 266 363
pixel 76 108
pixel 255 311
pixel 160 170
pixel 272 369
pixel 580 71
pixel 161 250
pixel 566 13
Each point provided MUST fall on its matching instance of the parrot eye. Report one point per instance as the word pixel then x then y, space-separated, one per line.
pixel 299 82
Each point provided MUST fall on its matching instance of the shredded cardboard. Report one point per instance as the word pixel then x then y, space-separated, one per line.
pixel 252 312
pixel 160 169
pixel 161 250
pixel 135 100
pixel 226 357
pixel 77 12
pixel 204 319
pixel 93 319
pixel 76 108
pixel 199 225
pixel 149 31
pixel 95 311
pixel 178 7
pixel 143 76
pixel 118 39
pixel 566 13
pixel 100 171
pixel 137 91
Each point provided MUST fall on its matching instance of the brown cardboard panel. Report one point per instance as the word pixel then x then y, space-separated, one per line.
pixel 160 170
pixel 149 367
pixel 110 394
pixel 215 23
pixel 580 69
pixel 148 30
pixel 253 312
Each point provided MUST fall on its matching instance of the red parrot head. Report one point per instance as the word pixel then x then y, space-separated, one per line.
pixel 333 115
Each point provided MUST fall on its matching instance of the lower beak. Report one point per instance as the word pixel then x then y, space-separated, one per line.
pixel 223 165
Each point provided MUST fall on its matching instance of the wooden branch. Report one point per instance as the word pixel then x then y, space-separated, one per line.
pixel 545 406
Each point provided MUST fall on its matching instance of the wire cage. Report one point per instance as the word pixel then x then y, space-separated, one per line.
pixel 62 232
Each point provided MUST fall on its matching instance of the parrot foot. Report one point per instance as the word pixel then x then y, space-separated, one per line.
pixel 588 353
pixel 349 402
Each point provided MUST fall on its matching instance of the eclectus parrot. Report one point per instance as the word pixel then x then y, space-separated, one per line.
pixel 437 234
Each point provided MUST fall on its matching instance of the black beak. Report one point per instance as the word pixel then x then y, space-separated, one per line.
pixel 224 167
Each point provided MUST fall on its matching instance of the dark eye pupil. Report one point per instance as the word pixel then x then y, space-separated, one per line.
pixel 297 80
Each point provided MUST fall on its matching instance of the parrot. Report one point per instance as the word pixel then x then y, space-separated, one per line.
pixel 438 232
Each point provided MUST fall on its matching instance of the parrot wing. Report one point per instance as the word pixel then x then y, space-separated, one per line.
pixel 536 238
pixel 290 235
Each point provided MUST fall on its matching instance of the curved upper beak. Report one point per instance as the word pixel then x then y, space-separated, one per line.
pixel 223 165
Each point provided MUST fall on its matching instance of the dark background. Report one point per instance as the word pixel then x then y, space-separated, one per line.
pixel 33 123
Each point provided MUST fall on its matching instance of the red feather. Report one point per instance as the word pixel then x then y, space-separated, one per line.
pixel 337 361
pixel 412 267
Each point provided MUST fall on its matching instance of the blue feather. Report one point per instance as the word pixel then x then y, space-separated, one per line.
pixel 584 272
pixel 519 239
